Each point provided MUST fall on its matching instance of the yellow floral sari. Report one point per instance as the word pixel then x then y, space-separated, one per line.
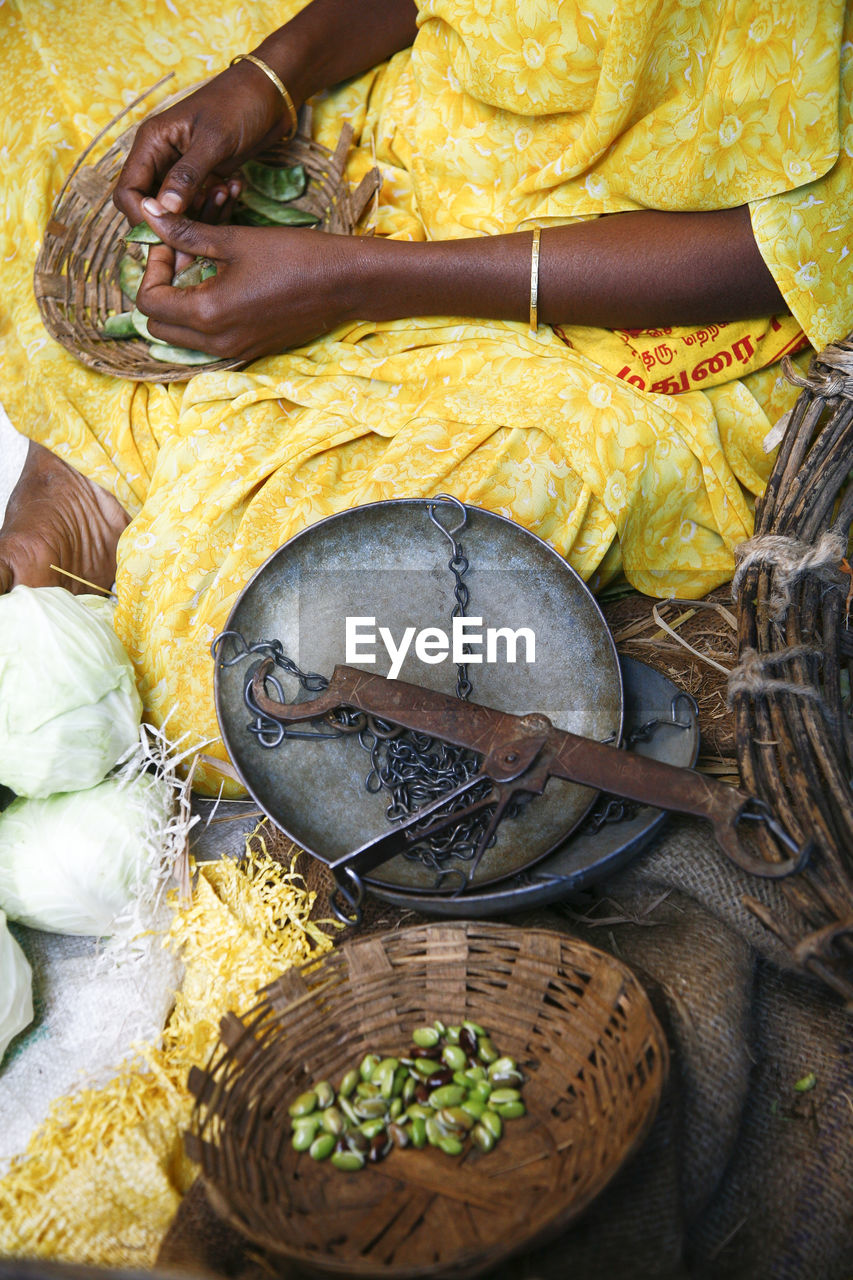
pixel 624 450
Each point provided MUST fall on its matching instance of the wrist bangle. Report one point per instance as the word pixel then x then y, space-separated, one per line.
pixel 271 75
pixel 534 282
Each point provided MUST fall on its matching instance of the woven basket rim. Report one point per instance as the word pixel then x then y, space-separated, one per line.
pixel 321 995
pixel 75 274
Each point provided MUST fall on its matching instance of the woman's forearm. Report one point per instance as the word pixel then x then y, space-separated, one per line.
pixel 331 40
pixel 626 270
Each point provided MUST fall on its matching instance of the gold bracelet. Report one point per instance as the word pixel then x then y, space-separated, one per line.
pixel 534 282
pixel 268 71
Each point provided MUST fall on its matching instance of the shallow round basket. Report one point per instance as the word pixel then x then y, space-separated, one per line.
pixel 576 1021
pixel 76 273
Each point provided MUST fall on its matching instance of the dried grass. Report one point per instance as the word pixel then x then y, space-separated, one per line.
pixel 709 627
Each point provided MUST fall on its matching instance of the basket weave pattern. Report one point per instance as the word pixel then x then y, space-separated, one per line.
pixel 76 272
pixel 577 1022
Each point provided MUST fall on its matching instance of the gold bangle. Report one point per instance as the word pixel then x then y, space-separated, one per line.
pixel 534 282
pixel 268 71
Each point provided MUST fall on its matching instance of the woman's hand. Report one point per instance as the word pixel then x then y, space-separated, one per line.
pixel 186 154
pixel 274 288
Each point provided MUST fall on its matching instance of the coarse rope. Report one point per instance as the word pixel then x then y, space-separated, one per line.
pixel 748 676
pixel 790 558
pixel 831 374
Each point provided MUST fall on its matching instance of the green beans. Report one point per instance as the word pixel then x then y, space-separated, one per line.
pixel 486 1051
pixel 119 326
pixel 321 1148
pixel 178 355
pixel 449 1095
pixel 501 1096
pixel 370 1108
pixel 303 1136
pixel 142 234
pixel 130 273
pixel 325 1094
pixel 333 1120
pixel 425 1037
pixel 454 1057
pixel 277 213
pixel 348 1084
pixel 276 183
pixel 450 1089
pixel 133 324
pixel 492 1122
pixel 140 324
pixel 482 1138
pixel 368 1065
pixel 427 1066
pixel 304 1104
pixel 265 201
pixel 196 273
pixel 511 1110
pixel 348 1161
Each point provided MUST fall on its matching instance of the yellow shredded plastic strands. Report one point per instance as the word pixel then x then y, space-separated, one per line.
pixel 103 1175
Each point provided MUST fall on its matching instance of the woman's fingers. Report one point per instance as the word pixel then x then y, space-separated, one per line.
pixel 174 158
pixel 176 335
pixel 150 157
pixel 197 238
pixel 219 200
pixel 274 287
pixel 157 298
pixel 181 317
pixel 189 175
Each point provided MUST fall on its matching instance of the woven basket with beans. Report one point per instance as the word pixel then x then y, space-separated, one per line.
pixel 85 264
pixel 587 1056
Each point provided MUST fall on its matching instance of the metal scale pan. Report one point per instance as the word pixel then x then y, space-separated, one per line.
pixel 389 561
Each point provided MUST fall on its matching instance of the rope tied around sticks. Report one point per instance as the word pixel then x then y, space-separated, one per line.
pixel 749 675
pixel 830 373
pixel 790 558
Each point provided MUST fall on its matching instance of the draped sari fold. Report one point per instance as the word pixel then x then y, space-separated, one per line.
pixel 634 450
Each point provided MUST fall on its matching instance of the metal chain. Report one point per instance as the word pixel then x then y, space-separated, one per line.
pixel 413 768
pixel 271 733
pixel 458 566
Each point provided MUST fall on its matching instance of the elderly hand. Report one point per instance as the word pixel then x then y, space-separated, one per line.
pixel 186 154
pixel 274 288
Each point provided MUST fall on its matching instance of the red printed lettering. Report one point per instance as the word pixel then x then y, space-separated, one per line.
pixel 714 364
pixel 634 378
pixel 672 386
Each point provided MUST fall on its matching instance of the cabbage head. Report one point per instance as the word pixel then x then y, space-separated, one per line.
pixel 16 988
pixel 69 708
pixel 73 862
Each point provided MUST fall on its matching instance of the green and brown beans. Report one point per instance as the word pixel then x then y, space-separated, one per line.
pixel 452 1089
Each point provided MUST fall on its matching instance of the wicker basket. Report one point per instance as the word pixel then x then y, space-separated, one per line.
pixel 76 272
pixel 575 1019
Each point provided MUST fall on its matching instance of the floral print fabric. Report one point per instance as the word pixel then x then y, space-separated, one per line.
pixel 505 115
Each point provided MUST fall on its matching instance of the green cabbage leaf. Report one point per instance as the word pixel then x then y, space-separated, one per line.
pixel 69 707
pixel 74 862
